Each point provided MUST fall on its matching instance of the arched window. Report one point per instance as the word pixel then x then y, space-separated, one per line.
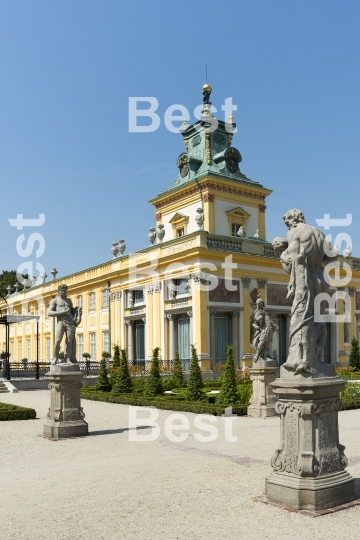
pixel 105 298
pixel 80 301
pixel 92 300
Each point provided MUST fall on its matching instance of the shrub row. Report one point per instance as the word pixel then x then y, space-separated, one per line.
pixel 14 412
pixel 162 403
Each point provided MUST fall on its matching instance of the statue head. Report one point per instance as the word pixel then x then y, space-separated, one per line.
pixel 293 217
pixel 279 244
pixel 62 290
pixel 259 303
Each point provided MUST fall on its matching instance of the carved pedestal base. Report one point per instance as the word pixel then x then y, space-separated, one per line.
pixel 309 465
pixel 65 417
pixel 263 399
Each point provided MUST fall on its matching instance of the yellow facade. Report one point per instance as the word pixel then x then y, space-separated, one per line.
pixel 144 310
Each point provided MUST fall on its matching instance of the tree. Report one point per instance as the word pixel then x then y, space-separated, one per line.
pixel 154 384
pixel 115 365
pixel 177 372
pixel 228 393
pixel 122 381
pixel 103 383
pixel 354 356
pixel 195 382
pixel 8 277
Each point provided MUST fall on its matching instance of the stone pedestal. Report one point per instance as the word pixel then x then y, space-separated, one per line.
pixel 65 417
pixel 263 399
pixel 309 465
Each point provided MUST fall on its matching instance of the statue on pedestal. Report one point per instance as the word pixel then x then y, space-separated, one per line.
pixel 263 330
pixel 309 466
pixel 68 318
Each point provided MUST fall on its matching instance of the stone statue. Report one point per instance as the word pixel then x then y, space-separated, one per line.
pixel 68 318
pixel 263 330
pixel 302 255
pixel 152 235
pixel 199 218
pixel 309 463
pixel 241 232
pixel 160 232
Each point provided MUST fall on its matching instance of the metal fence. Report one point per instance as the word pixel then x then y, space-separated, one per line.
pixel 142 367
pixel 32 370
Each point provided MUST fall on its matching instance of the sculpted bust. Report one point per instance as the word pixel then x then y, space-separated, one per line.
pixel 68 318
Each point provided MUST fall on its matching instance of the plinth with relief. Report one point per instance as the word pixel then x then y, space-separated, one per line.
pixel 263 399
pixel 309 464
pixel 65 417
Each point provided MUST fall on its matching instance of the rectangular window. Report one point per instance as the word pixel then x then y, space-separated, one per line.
pixel 180 232
pixel 327 348
pixel 93 347
pixel 183 339
pixel 223 335
pixel 28 349
pixel 80 301
pixel 92 301
pixel 12 352
pixel 139 335
pixel 234 229
pixel 182 287
pixel 38 348
pixel 106 343
pixel 20 351
pixel 106 298
pixel 139 296
pixel 279 351
pixel 80 341
pixel 47 346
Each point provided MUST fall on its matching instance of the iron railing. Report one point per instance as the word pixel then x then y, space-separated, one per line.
pixel 142 367
pixel 33 370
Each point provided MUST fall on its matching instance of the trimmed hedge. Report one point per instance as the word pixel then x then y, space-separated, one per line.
pixel 14 412
pixel 163 403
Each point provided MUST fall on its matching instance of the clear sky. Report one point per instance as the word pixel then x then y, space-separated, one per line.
pixel 67 71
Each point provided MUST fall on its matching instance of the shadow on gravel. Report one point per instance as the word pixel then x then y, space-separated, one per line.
pixel 115 431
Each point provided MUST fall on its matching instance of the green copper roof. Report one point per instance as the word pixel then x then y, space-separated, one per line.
pixel 209 153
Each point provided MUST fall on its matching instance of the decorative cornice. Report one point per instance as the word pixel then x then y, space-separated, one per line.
pixel 212 186
pixel 262 208
pixel 153 287
pixel 208 197
pixel 158 216
pixel 115 295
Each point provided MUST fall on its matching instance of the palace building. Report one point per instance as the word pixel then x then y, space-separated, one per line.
pixel 177 291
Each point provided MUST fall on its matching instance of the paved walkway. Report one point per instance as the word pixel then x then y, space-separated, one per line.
pixel 106 487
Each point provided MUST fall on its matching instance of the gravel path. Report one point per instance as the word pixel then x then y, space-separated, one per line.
pixel 106 487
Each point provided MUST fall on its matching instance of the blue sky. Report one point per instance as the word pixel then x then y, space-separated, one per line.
pixel 68 69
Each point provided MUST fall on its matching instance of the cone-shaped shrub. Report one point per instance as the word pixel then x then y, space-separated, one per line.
pixel 103 383
pixel 154 384
pixel 195 382
pixel 228 393
pixel 115 365
pixel 354 356
pixel 177 372
pixel 122 381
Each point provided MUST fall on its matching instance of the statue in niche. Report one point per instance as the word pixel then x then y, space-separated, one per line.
pixel 68 318
pixel 302 254
pixel 263 329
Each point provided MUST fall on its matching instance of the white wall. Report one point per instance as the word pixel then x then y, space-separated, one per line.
pixel 221 219
pixel 189 211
